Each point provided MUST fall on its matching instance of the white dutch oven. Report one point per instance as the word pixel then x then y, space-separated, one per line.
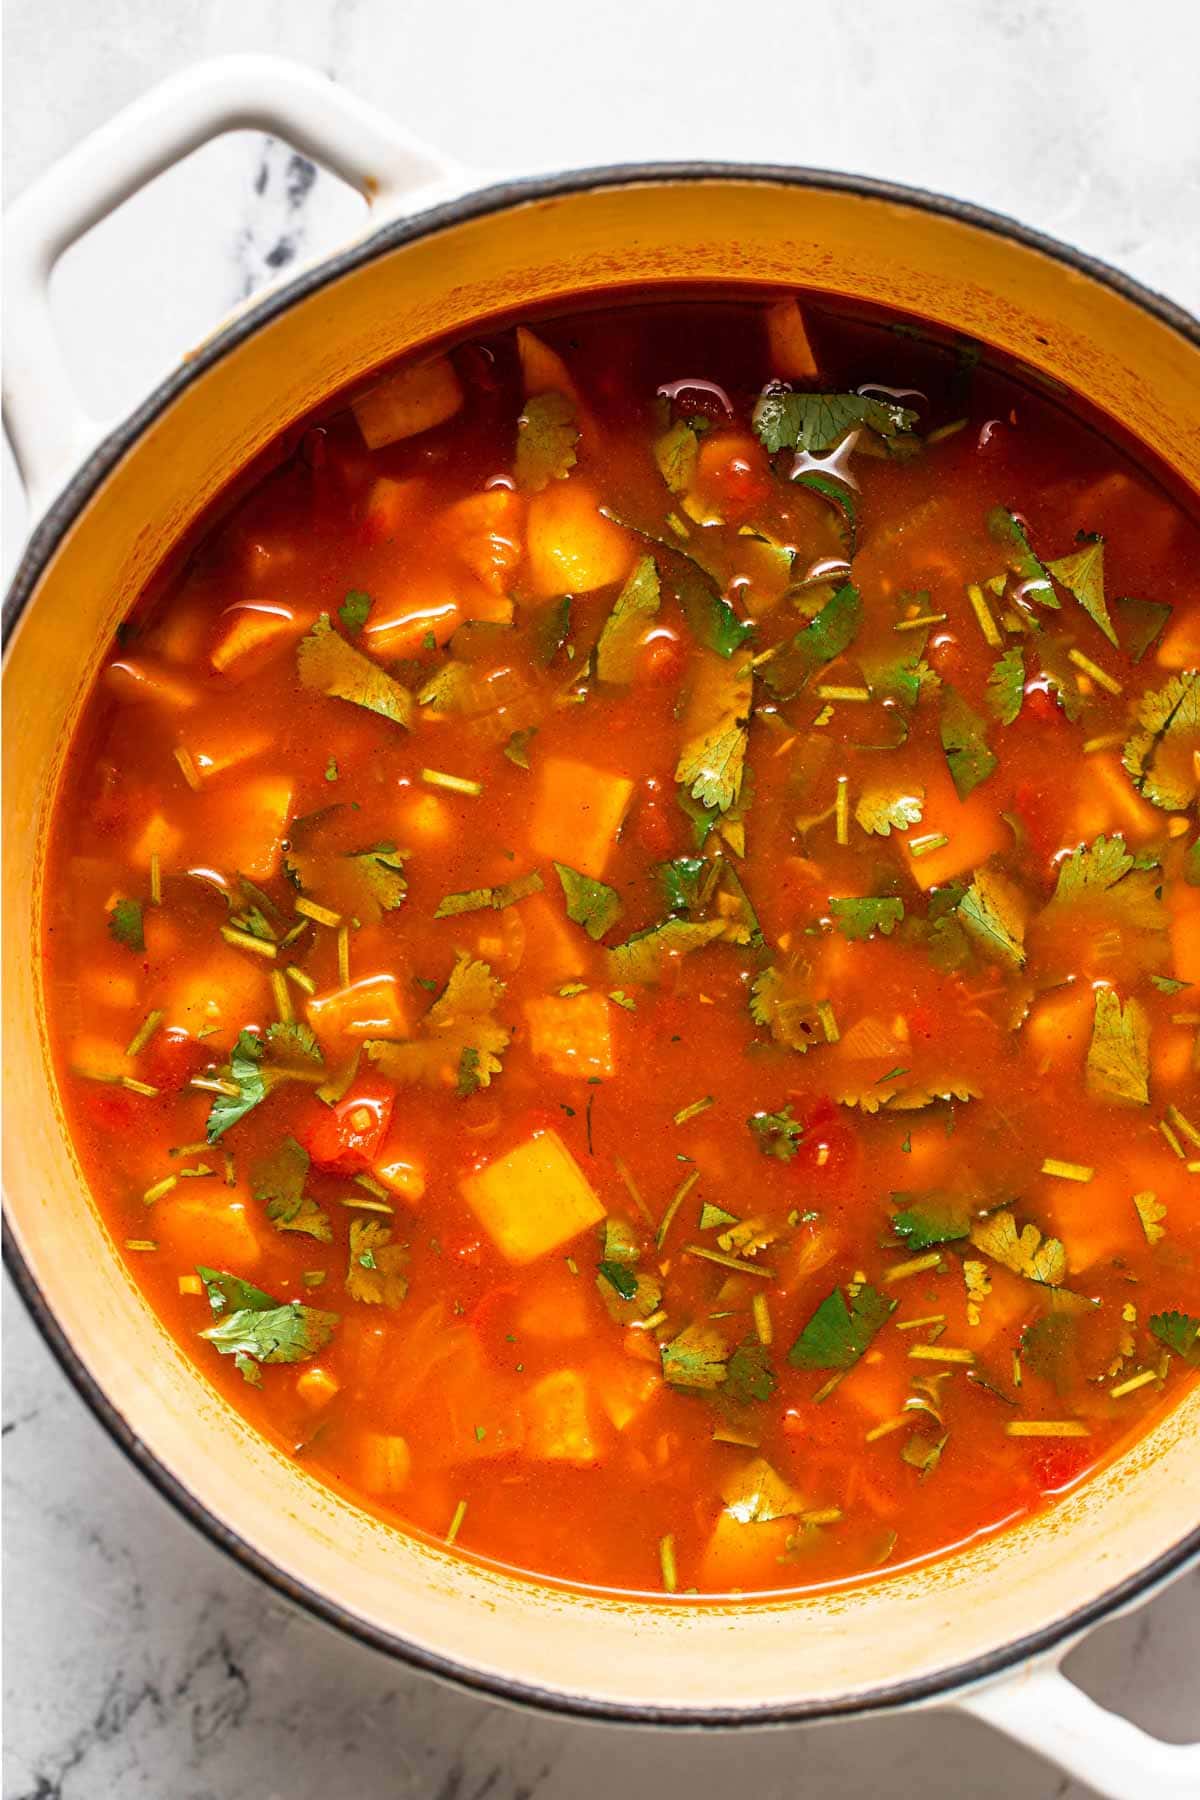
pixel 984 1631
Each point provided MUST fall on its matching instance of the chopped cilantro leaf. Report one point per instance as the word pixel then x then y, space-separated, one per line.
pixel 1034 583
pixel 517 747
pixel 713 756
pixel 293 1038
pixel 779 999
pixel 1006 685
pixel 710 619
pixel 330 665
pixel 1180 1332
pixel 620 1277
pixel 777 1134
pixel 992 911
pixel 964 741
pixel 549 630
pixel 355 610
pixel 375 1271
pixel 676 452
pixel 278 1180
pixel 547 434
pixel 1142 624
pixel 1118 1058
pixel 1162 755
pixel 493 898
pixel 589 903
pixel 1024 1252
pixel 818 643
pixel 749 1375
pixel 838 1333
pixel 856 917
pixel 838 495
pixel 623 631
pixel 125 924
pixel 930 1219
pixel 460 1019
pixel 643 957
pixel 683 883
pixel 254 1329
pixel 883 809
pixel 245 1070
pixel 818 422
pixel 697 1358
pixel 1082 574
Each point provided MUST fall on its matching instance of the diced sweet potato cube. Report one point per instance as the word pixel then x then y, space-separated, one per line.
pixel 157 838
pixel 558 1420
pixel 571 1033
pixel 384 1462
pixel 577 813
pixel 1179 646
pixel 316 1386
pixel 252 833
pixel 411 400
pixel 532 1200
pixel 739 1556
pixel 99 1058
pixel 555 950
pixel 572 547
pixel 228 990
pixel 251 634
pixel 200 1228
pixel 974 829
pixel 425 819
pixel 401 1176
pixel 789 352
pixel 1183 904
pixel 369 1008
pixel 132 679
pixel 543 370
pixel 555 1305
pixel 115 989
pixel 1095 1220
pixel 401 620
pixel 1108 803
pixel 624 1387
pixel 392 504
pixel 1059 1028
pixel 224 745
pixel 877 1386
pixel 486 531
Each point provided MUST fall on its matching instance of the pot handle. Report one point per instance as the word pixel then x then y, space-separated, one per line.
pixel 1041 1709
pixel 48 427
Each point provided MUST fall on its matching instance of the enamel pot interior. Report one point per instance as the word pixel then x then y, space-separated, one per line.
pixel 909 1636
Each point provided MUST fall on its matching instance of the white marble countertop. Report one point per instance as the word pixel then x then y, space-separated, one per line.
pixel 139 1661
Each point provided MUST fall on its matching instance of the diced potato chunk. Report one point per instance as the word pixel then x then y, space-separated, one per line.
pixel 369 1008
pixel 401 1176
pixel 789 351
pixel 98 1058
pixel 1108 803
pixel 554 949
pixel 738 1555
pixel 158 837
pixel 487 532
pixel 384 1462
pixel 254 632
pixel 532 1200
pixel 426 819
pixel 572 547
pixel 571 1033
pixel 877 1386
pixel 252 833
pixel 577 813
pixel 558 1423
pixel 101 985
pixel 316 1386
pixel 409 401
pixel 400 621
pixel 542 369
pixel 216 748
pixel 1184 912
pixel 392 504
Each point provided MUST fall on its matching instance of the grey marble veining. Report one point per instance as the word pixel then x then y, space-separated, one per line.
pixel 138 1662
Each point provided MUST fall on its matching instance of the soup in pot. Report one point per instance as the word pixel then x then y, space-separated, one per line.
pixel 622 942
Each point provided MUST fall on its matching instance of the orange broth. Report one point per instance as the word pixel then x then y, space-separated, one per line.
pixel 628 944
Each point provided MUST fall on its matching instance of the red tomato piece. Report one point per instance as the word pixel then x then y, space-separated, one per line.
pixel 345 1139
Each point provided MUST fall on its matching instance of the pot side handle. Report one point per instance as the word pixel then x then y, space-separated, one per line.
pixel 49 428
pixel 1045 1711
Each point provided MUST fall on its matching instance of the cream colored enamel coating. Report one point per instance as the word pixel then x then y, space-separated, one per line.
pixel 815 1650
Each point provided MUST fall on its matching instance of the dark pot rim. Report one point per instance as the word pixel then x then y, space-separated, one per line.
pixel 45 539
